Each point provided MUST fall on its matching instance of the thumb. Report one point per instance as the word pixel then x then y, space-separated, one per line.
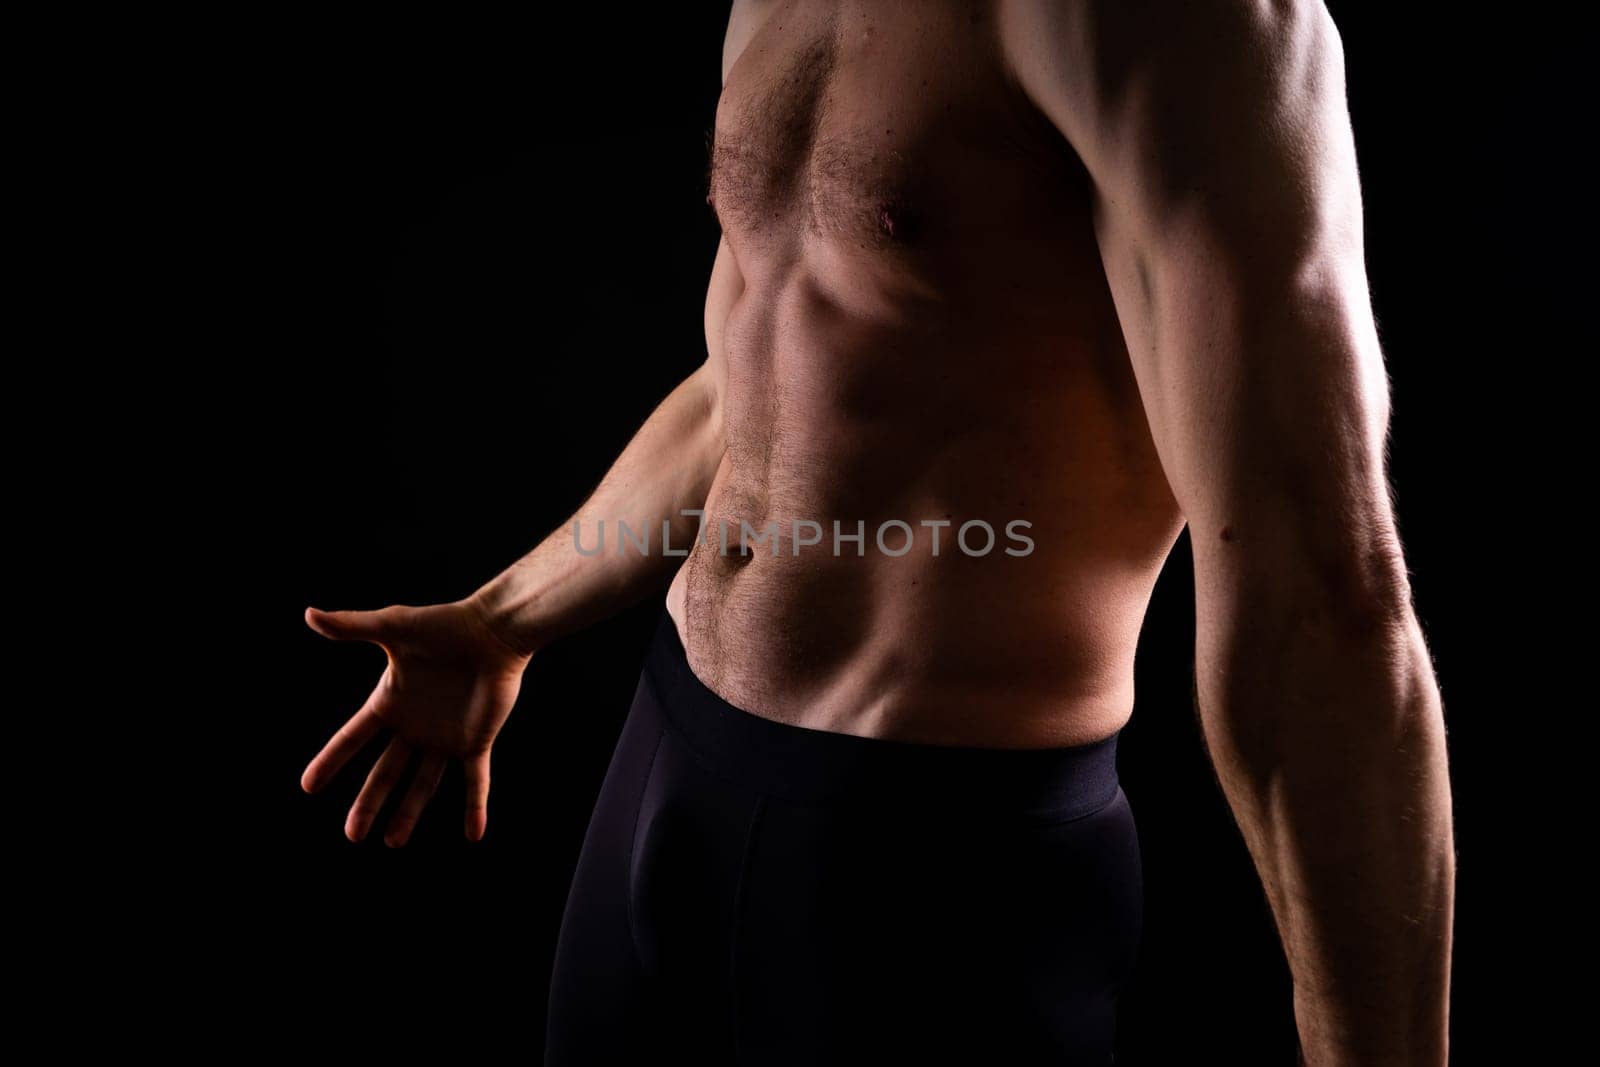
pixel 348 625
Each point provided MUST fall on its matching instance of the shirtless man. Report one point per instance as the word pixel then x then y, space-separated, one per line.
pixel 1095 265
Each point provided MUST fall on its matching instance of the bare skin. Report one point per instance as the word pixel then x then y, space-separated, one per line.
pixel 1093 265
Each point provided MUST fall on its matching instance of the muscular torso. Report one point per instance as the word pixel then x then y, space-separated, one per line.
pixel 915 325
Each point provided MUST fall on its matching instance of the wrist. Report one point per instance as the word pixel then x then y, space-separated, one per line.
pixel 501 618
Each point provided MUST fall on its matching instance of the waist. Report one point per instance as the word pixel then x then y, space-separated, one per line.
pixel 989 651
pixel 808 765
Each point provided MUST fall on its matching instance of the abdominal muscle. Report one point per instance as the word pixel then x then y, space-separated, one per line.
pixel 921 417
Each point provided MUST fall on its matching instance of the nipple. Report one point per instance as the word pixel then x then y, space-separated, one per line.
pixel 896 221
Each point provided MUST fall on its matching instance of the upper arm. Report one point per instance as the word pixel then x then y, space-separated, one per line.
pixel 1228 210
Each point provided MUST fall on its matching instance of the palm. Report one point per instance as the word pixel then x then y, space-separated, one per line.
pixel 449 684
pixel 441 691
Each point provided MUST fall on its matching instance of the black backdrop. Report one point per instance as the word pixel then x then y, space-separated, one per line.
pixel 476 258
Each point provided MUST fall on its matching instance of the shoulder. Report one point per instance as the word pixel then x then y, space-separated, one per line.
pixel 1122 23
pixel 1090 63
pixel 1227 112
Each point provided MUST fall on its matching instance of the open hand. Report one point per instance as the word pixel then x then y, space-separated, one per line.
pixel 449 685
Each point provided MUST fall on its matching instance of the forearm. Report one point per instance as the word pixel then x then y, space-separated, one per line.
pixel 1328 737
pixel 564 584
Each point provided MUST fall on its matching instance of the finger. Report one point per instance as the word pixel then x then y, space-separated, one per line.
pixel 349 625
pixel 351 738
pixel 477 796
pixel 421 790
pixel 380 783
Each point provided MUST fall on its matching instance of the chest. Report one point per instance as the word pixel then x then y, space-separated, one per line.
pixel 874 124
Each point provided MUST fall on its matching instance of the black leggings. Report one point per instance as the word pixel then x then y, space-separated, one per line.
pixel 757 893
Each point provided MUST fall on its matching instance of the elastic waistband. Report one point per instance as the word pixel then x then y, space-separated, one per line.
pixel 820 766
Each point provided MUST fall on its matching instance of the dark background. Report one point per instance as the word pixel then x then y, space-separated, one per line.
pixel 465 262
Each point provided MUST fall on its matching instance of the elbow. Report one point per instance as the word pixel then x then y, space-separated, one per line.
pixel 1314 658
pixel 1335 582
pixel 706 412
pixel 1307 539
pixel 1358 594
pixel 712 386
